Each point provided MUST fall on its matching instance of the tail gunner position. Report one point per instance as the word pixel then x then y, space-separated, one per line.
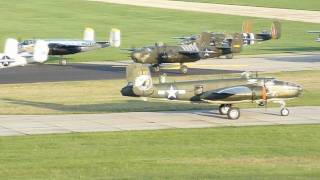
pixel 226 92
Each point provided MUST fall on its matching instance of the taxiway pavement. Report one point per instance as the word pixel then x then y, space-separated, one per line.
pixel 12 125
pixel 263 12
pixel 116 70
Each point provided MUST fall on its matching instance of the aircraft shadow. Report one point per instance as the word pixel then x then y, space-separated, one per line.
pixel 129 106
pixel 211 114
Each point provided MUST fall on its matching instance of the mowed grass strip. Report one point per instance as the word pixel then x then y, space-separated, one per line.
pixel 140 26
pixel 270 152
pixel 104 96
pixel 285 4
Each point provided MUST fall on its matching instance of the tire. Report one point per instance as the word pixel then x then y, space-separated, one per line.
pixel 285 112
pixel 63 62
pixel 233 113
pixel 229 56
pixel 223 109
pixel 183 69
pixel 156 68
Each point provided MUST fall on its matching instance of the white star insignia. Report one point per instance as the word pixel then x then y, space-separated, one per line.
pixel 172 93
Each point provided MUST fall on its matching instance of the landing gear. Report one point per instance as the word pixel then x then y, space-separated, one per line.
pixel 229 56
pixel 183 69
pixel 156 68
pixel 224 108
pixel 62 61
pixel 284 111
pixel 233 113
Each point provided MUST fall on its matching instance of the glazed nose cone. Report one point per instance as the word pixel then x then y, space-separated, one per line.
pixel 300 90
pixel 136 56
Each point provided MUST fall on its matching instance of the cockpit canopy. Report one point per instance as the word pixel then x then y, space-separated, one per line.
pixel 27 42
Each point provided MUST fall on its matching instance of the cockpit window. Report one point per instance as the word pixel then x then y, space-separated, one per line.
pixel 148 50
pixel 27 42
pixel 290 84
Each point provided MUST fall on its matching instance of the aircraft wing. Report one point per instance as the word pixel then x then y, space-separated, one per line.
pixel 7 60
pixel 226 92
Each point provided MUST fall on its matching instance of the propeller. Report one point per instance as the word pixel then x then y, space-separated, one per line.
pixel 264 94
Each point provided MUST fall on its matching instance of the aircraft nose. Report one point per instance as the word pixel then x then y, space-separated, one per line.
pixel 298 89
pixel 136 57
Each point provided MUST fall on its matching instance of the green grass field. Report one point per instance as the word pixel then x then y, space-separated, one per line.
pixel 270 152
pixel 140 26
pixel 104 96
pixel 286 4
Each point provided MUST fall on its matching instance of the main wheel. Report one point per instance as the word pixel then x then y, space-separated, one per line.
pixel 229 56
pixel 284 112
pixel 156 68
pixel 184 69
pixel 63 62
pixel 233 113
pixel 223 109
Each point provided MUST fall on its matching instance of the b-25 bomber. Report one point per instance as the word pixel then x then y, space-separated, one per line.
pixel 202 46
pixel 201 49
pixel 61 47
pixel 225 92
pixel 247 36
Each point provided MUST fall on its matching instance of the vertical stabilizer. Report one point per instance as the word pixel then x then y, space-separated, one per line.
pixel 115 37
pixel 276 30
pixel 204 40
pixel 41 51
pixel 247 27
pixel 139 77
pixel 237 43
pixel 89 34
pixel 11 48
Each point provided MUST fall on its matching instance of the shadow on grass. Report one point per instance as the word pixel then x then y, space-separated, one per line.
pixel 125 106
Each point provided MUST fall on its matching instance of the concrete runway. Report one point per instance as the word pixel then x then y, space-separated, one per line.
pixel 12 125
pixel 272 13
pixel 116 70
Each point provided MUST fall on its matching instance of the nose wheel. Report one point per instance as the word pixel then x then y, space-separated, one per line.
pixel 284 111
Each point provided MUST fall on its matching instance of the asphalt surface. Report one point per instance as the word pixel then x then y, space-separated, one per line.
pixel 82 72
pixel 13 125
pixel 263 12
pixel 116 70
